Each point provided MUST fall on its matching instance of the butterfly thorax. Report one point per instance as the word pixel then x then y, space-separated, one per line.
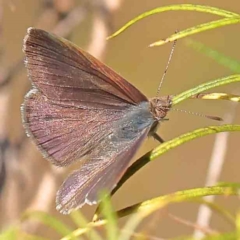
pixel 159 106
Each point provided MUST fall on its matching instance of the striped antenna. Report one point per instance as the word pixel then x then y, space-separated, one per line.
pixel 165 71
pixel 198 114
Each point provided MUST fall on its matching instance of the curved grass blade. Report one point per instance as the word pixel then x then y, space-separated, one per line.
pixel 145 208
pixel 184 7
pixel 10 233
pixel 81 222
pixel 197 29
pixel 237 222
pixel 217 208
pixel 164 147
pixel 49 221
pixel 16 232
pixel 222 236
pixel 78 219
pixel 191 93
pixel 110 216
pixel 226 184
pixel 225 61
pixel 203 87
pixel 80 231
pixel 234 66
pixel 217 96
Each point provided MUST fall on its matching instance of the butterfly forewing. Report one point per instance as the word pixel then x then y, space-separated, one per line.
pixel 65 73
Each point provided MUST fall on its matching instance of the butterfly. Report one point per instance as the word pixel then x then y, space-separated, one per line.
pixel 81 110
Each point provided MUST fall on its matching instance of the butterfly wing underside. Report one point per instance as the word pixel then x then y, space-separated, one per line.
pixel 73 111
pixel 65 73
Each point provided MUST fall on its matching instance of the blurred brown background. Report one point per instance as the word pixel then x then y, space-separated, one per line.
pixel 31 182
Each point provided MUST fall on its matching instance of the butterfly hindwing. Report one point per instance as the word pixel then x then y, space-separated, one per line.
pixel 100 173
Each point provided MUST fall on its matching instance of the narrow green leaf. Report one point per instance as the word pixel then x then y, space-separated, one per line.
pixel 15 233
pixel 186 195
pixel 78 218
pixel 238 223
pixel 204 87
pixel 231 64
pixel 80 231
pixel 49 221
pixel 110 216
pixel 217 208
pixel 222 236
pixel 81 222
pixel 145 208
pixel 197 29
pixel 184 7
pixel 227 184
pixel 10 233
pixel 218 96
pixel 164 147
pixel 190 136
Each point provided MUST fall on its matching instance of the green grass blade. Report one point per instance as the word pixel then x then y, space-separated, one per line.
pixel 197 29
pixel 145 208
pixel 181 196
pixel 49 221
pixel 80 231
pixel 186 137
pixel 217 208
pixel 15 233
pixel 222 236
pixel 238 223
pixel 203 87
pixel 11 233
pixel 81 222
pixel 219 96
pixel 184 7
pixel 225 61
pixel 190 136
pixel 110 216
pixel 78 218
pixel 164 147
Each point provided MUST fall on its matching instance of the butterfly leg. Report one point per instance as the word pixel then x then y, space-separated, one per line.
pixel 158 138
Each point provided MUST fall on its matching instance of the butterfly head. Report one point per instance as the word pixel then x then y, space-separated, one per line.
pixel 160 106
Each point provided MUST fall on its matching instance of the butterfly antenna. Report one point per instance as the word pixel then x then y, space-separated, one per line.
pixel 165 71
pixel 198 114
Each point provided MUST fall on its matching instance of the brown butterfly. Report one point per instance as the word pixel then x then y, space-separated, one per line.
pixel 80 109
